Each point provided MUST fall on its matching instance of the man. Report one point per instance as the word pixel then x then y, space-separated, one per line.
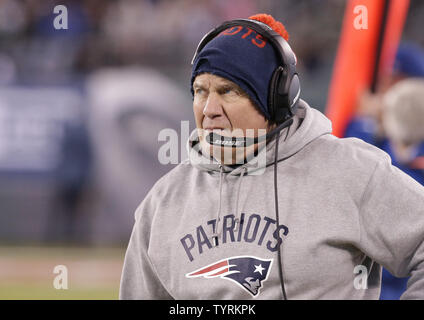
pixel 403 123
pixel 304 215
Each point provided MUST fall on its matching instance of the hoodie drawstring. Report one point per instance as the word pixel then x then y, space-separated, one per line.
pixel 238 214
pixel 237 221
pixel 218 214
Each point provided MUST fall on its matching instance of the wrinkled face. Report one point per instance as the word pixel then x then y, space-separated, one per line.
pixel 223 107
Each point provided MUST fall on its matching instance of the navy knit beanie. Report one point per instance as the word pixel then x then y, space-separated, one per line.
pixel 242 56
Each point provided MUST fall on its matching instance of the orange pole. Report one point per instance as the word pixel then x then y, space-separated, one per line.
pixel 397 16
pixel 356 56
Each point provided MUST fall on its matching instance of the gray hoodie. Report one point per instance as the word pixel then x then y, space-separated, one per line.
pixel 344 211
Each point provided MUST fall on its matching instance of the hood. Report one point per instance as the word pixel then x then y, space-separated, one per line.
pixel 308 125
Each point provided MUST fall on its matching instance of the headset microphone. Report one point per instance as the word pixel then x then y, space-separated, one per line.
pixel 236 142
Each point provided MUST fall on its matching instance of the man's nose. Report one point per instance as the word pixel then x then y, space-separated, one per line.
pixel 213 106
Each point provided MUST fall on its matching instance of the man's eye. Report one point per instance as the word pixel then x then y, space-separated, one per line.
pixel 229 91
pixel 198 91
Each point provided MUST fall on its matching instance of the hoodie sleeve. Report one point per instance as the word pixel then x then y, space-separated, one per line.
pixel 139 280
pixel 392 225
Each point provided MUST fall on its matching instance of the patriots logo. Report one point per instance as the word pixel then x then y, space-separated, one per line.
pixel 246 271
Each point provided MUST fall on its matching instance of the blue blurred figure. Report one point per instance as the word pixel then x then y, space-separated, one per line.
pixel 67 223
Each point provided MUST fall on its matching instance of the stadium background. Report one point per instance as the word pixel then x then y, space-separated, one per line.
pixel 80 114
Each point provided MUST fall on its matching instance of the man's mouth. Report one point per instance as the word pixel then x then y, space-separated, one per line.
pixel 218 130
pixel 213 128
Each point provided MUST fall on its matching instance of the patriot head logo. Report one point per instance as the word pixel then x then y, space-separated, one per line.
pixel 246 271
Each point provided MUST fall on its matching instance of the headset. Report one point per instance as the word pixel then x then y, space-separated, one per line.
pixel 283 97
pixel 284 86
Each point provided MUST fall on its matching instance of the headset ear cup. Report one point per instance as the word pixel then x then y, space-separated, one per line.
pixel 273 96
pixel 278 98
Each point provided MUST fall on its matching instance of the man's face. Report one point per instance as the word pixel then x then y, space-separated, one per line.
pixel 223 107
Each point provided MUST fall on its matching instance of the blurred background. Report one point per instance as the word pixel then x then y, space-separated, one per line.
pixel 80 113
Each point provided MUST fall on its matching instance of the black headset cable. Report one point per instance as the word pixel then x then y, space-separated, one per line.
pixel 277 218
